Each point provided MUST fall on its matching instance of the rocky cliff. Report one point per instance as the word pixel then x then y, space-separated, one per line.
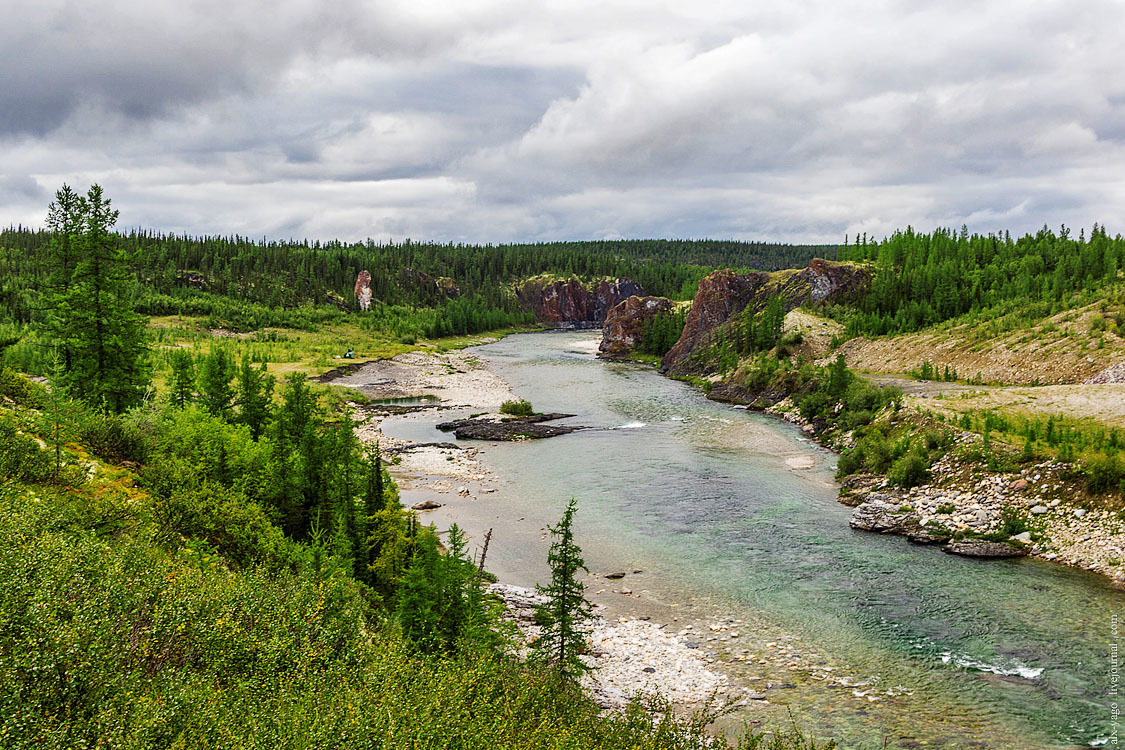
pixel 724 294
pixel 568 303
pixel 721 296
pixel 363 290
pixel 625 323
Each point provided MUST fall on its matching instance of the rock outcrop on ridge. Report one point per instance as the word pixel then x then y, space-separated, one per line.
pixel 571 304
pixel 724 294
pixel 625 324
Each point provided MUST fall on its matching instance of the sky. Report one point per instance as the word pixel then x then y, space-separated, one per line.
pixel 518 120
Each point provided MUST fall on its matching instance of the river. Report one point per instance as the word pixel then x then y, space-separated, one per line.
pixel 732 516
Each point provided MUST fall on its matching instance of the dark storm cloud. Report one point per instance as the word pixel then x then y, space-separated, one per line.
pixel 494 120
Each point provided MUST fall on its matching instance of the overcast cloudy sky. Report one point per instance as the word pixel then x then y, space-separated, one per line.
pixel 500 120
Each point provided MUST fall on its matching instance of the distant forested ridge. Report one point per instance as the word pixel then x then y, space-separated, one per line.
pixel 173 270
pixel 924 279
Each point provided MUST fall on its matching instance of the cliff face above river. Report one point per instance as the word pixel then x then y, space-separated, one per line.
pixel 625 323
pixel 568 303
pixel 724 294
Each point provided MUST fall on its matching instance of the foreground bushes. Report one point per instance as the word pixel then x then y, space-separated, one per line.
pixel 106 641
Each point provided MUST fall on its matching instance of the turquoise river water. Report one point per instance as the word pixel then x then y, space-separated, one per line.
pixel 733 515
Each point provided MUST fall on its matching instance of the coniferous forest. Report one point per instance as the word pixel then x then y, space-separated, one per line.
pixel 217 561
pixel 211 558
pixel 923 279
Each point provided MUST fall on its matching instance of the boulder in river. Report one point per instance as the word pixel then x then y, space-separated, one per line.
pixel 512 428
pixel 875 515
pixel 426 505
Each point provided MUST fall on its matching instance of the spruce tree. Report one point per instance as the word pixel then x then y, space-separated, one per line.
pixel 95 323
pixel 562 640
pixel 838 377
pixel 215 392
pixel 420 605
pixel 181 380
pixel 255 394
pixel 65 224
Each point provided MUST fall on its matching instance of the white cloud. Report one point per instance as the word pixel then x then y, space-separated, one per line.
pixel 503 120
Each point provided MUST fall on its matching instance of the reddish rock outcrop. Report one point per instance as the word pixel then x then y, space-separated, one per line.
pixel 835 282
pixel 571 304
pixel 724 294
pixel 363 289
pixel 721 295
pixel 625 323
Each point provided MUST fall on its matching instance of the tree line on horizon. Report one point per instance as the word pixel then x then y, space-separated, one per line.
pixel 174 271
pixel 924 279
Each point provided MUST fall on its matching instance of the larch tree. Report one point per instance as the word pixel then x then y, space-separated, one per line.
pixel 216 393
pixel 255 396
pixel 562 640
pixel 181 380
pixel 95 324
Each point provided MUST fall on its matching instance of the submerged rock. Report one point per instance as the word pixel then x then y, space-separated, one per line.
pixel 983 548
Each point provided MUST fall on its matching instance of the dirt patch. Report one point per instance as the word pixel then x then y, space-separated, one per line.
pixel 1104 403
pixel 454 377
pixel 1065 348
pixel 816 333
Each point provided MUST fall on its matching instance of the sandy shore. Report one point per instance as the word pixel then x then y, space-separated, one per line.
pixel 462 384
pixel 633 654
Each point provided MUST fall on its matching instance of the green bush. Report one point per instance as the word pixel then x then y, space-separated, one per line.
pixel 793 338
pixel 20 389
pixel 21 456
pixel 229 522
pixel 518 408
pixel 910 470
pixel 1104 473
pixel 116 437
pixel 1012 522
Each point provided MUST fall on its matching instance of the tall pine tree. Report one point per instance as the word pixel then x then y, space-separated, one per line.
pixel 562 640
pixel 96 326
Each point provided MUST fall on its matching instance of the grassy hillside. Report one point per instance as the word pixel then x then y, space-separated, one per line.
pixel 1066 347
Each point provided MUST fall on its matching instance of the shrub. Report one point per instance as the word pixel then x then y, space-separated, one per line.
pixel 910 470
pixel 1104 473
pixel 20 389
pixel 519 408
pixel 115 437
pixel 21 457
pixel 1012 522
pixel 850 462
pixel 946 508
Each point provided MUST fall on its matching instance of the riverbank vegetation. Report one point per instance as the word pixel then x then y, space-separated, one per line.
pixel 212 559
pixel 169 579
pixel 245 284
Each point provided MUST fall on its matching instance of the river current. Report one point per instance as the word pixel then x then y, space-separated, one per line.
pixel 733 515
